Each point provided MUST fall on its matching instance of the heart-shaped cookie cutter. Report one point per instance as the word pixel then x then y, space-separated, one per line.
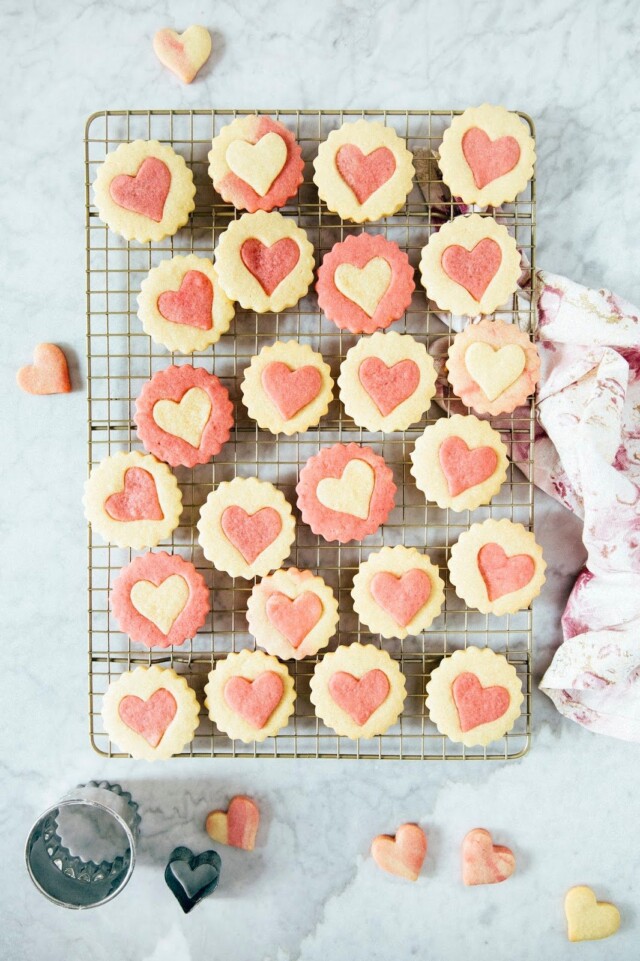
pixel 189 895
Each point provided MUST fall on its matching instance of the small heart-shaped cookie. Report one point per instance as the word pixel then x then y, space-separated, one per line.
pixel 402 855
pixel 183 53
pixel 237 826
pixel 49 373
pixel 587 918
pixel 484 862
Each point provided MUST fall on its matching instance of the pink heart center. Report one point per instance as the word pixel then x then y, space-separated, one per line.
pixel 145 193
pixel 473 269
pixel 255 701
pixel 294 618
pixel 359 697
pixel 138 501
pixel 464 468
pixel 270 265
pixel 476 704
pixel 291 390
pixel 388 386
pixel 192 304
pixel 502 574
pixel 149 718
pixel 401 597
pixel 489 159
pixel 364 173
pixel 251 534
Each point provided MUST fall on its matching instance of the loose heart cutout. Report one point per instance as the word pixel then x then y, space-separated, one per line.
pixel 359 697
pixel 587 918
pixel 163 603
pixel 402 855
pixel 191 877
pixel 258 164
pixel 365 286
pixel 192 304
pixel 138 501
pixel 270 265
pixel 49 373
pixel 476 704
pixel 183 53
pixel 494 370
pixel 237 826
pixel 365 173
pixel 464 468
pixel 473 269
pixel 388 387
pixel 255 701
pixel 484 862
pixel 503 574
pixel 489 159
pixel 151 718
pixel 294 618
pixel 146 192
pixel 186 418
pixel 401 597
pixel 251 534
pixel 291 390
pixel 351 493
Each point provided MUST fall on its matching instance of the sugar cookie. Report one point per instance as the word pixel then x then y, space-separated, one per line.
pixel 183 53
pixel 402 854
pixel 587 918
pixel 484 862
pixel 237 826
pixel 49 373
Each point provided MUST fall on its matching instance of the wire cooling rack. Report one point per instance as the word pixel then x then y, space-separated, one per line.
pixel 121 358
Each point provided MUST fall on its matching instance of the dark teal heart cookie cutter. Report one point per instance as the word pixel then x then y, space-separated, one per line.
pixel 192 877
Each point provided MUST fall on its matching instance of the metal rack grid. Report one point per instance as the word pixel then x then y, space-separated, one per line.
pixel 121 358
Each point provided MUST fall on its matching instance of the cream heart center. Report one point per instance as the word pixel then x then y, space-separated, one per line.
pixel 365 286
pixel 351 493
pixel 494 370
pixel 186 418
pixel 258 164
pixel 162 604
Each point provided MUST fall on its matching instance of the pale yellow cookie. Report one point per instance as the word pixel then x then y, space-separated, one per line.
pixel 497 567
pixel 363 171
pixel 287 388
pixel 397 591
pixel 460 462
pixel 474 696
pixel 182 305
pixel 470 266
pixel 144 191
pixel 264 261
pixel 487 156
pixel 358 691
pixel 250 696
pixel 387 381
pixel 151 713
pixel 132 500
pixel 587 918
pixel 246 527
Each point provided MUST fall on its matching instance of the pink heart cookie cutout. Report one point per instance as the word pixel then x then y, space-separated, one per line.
pixel 291 390
pixel 146 192
pixel 237 826
pixel 464 467
pixel 503 574
pixel 270 265
pixel 251 534
pixel 365 173
pixel 359 697
pixel 476 704
pixel 489 159
pixel 190 305
pixel 294 618
pixel 401 597
pixel 473 269
pixel 255 701
pixel 49 373
pixel 388 387
pixel 149 718
pixel 138 500
pixel 484 862
pixel 402 855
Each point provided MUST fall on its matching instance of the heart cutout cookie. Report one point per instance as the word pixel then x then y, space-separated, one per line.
pixel 258 164
pixel 294 618
pixel 359 697
pixel 587 918
pixel 494 370
pixel 251 534
pixel 489 159
pixel 151 718
pixel 183 53
pixel 484 862
pixel 476 704
pixel 473 269
pixel 364 173
pixel 388 387
pixel 146 192
pixel 351 493
pixel 270 265
pixel 186 418
pixel 364 286
pixel 162 603
pixel 464 468
pixel 237 826
pixel 503 574
pixel 191 305
pixel 291 390
pixel 401 597
pixel 255 701
pixel 192 877
pixel 402 855
pixel 138 500
pixel 49 373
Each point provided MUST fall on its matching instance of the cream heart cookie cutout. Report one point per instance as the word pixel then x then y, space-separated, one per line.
pixel 350 493
pixel 292 613
pixel 163 603
pixel 185 418
pixel 484 862
pixel 494 370
pixel 401 854
pixel 183 53
pixel 258 164
pixel 365 286
pixel 237 826
pixel 587 918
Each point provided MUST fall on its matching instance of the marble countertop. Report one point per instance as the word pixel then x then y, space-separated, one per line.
pixel 310 891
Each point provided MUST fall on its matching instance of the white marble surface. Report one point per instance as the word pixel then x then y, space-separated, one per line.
pixel 310 891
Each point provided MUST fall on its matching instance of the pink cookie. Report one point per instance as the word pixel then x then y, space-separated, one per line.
pixel 365 283
pixel 402 855
pixel 484 862
pixel 184 415
pixel 159 600
pixel 345 492
pixel 49 373
pixel 237 826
